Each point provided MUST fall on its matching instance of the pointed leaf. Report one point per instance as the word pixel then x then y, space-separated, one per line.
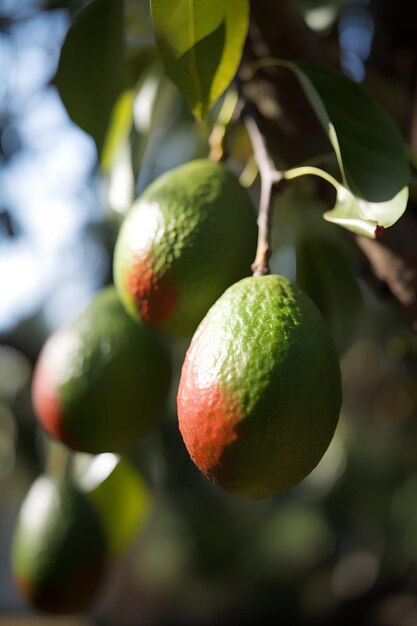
pixel 201 44
pixel 353 212
pixel 363 217
pixel 92 71
pixel 371 152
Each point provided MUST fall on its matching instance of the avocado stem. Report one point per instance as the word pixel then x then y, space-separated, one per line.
pixel 58 459
pixel 271 181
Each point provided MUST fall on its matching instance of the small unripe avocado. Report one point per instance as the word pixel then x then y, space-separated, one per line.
pixel 101 383
pixel 59 554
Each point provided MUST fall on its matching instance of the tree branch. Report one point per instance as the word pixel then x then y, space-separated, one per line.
pixel 293 135
pixel 270 178
pixel 283 114
pixel 391 266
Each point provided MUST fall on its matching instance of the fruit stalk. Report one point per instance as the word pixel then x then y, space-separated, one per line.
pixel 58 458
pixel 271 181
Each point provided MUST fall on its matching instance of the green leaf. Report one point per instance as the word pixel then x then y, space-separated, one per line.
pixel 369 147
pixel 353 212
pixel 118 131
pixel 363 217
pixel 324 272
pixel 120 496
pixel 324 264
pixel 92 71
pixel 201 44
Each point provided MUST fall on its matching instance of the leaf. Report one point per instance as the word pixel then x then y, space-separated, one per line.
pixel 118 129
pixel 363 217
pixel 122 501
pixel 369 147
pixel 324 262
pixel 324 272
pixel 92 71
pixel 201 44
pixel 353 212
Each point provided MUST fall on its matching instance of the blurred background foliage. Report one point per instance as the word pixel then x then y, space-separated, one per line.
pixel 82 132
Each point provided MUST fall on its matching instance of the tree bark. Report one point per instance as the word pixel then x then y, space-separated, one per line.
pixel 285 117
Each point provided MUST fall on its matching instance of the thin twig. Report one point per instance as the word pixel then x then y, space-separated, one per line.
pixel 270 179
pixel 58 460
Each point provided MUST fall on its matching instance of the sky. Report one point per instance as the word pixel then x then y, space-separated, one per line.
pixel 48 185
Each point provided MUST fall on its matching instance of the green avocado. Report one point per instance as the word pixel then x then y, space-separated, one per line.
pixel 59 553
pixel 189 236
pixel 101 383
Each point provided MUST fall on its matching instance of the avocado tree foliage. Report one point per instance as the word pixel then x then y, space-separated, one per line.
pixel 236 63
pixel 158 83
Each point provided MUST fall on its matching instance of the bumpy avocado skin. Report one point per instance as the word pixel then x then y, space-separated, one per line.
pixel 260 390
pixel 188 237
pixel 112 381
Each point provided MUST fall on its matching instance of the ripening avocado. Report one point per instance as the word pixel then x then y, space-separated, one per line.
pixel 101 383
pixel 260 390
pixel 191 234
pixel 59 552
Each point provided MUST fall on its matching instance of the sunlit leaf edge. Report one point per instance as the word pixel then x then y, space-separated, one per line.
pixel 354 213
